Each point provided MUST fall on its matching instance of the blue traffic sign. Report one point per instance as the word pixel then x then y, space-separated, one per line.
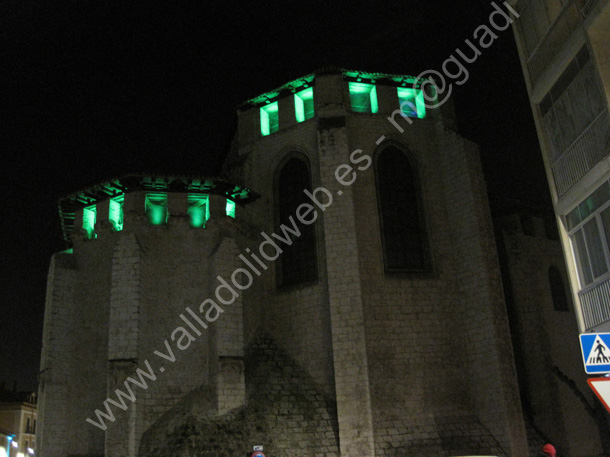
pixel 595 352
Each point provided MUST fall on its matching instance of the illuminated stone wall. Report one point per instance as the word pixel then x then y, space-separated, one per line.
pixel 285 412
pixel 112 302
pixel 421 364
pixel 358 362
pixel 75 348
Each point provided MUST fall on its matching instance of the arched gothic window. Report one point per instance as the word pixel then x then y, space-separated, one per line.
pixel 403 228
pixel 298 263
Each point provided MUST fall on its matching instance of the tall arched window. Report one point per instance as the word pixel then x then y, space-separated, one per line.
pixel 558 291
pixel 403 229
pixel 298 263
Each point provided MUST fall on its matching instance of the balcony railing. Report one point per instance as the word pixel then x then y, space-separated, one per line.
pixel 553 41
pixel 587 150
pixel 595 304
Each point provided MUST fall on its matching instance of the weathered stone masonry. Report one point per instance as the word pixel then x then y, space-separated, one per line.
pixel 360 360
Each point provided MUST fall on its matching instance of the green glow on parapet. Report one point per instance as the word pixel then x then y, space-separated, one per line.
pixel 198 210
pixel 230 208
pixel 115 212
pixel 363 97
pixel 156 208
pixel 411 102
pixel 292 86
pixel 269 119
pixel 89 217
pixel 303 105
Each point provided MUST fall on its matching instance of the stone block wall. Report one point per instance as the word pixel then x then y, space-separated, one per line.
pixel 113 306
pixel 409 352
pixel 546 338
pixel 285 412
pixel 484 318
pixel 359 362
pixel 298 317
pixel 75 336
pixel 54 366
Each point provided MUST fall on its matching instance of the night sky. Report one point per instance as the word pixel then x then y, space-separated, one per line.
pixel 93 89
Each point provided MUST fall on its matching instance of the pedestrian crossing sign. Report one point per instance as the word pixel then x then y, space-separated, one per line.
pixel 595 352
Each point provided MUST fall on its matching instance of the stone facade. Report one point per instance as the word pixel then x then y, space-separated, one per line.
pixel 558 404
pixel 357 358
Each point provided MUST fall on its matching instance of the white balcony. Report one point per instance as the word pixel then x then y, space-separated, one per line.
pixel 554 40
pixel 595 304
pixel 591 146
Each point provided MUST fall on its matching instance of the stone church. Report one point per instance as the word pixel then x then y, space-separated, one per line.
pixel 336 292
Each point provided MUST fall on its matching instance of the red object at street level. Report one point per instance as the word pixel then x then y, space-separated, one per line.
pixel 601 388
pixel 258 454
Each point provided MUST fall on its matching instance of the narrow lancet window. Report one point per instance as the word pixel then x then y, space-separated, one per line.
pixel 298 263
pixel 403 230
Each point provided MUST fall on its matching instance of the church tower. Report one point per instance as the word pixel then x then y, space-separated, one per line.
pixel 336 293
pixel 391 296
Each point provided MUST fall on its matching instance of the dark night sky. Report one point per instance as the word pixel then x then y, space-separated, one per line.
pixel 93 89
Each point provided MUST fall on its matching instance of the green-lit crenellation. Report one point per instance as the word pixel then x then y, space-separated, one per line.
pixel 303 105
pixel 115 193
pixel 411 102
pixel 156 208
pixel 89 217
pixel 269 118
pixel 198 210
pixel 363 97
pixel 230 208
pixel 115 212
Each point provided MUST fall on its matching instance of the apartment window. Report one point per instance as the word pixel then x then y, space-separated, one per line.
pixel 403 231
pixel 572 104
pixel 303 105
pixel 536 17
pixel 198 210
pixel 558 290
pixel 156 208
pixel 589 229
pixel 269 118
pixel 115 212
pixel 363 97
pixel 298 263
pixel 27 429
pixel 89 219
pixel 411 102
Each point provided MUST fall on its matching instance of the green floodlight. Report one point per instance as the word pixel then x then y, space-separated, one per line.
pixel 269 118
pixel 230 208
pixel 198 210
pixel 411 102
pixel 156 208
pixel 89 218
pixel 303 105
pixel 363 97
pixel 115 212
